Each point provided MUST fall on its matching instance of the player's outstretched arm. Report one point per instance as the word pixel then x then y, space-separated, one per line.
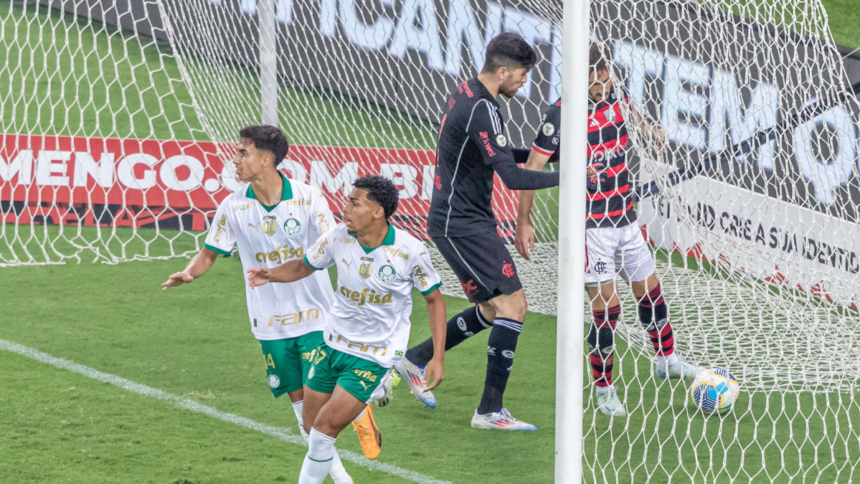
pixel 438 314
pixel 198 266
pixel 525 234
pixel 291 271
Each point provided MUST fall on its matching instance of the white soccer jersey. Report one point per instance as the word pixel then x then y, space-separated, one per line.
pixel 373 299
pixel 269 237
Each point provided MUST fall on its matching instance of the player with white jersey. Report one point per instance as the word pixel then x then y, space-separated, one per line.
pixel 614 244
pixel 368 327
pixel 272 220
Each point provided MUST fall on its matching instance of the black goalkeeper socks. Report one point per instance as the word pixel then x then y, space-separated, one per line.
pixel 461 327
pixel 500 358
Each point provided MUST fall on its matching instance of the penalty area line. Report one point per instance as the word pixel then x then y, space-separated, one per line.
pixel 278 432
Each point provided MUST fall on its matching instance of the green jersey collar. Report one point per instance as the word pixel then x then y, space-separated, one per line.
pixel 286 193
pixel 388 240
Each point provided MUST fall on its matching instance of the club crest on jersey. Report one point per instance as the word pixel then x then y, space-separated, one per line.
pixel 548 129
pixel 610 114
pixel 270 224
pixel 292 226
pixel 365 270
pixel 274 381
pixel 501 140
pixel 386 274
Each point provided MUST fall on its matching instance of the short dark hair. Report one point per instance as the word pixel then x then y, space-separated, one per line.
pixel 268 138
pixel 598 58
pixel 380 190
pixel 509 50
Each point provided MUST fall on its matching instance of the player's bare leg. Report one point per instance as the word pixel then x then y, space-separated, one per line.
pixel 605 307
pixel 655 318
pixel 507 312
pixel 313 402
pixel 332 413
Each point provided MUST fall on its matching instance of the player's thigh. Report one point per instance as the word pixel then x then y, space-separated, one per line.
pixel 512 306
pixel 601 244
pixel 603 295
pixel 482 263
pixel 341 409
pixel 313 403
pixel 283 365
pixel 633 257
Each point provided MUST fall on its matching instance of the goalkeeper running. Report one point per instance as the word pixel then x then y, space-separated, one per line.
pixel 613 243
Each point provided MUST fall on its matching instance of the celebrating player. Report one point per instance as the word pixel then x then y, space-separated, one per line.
pixel 613 243
pixel 368 327
pixel 471 147
pixel 273 219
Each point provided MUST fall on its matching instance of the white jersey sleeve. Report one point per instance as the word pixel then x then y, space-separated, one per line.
pixel 222 236
pixel 321 254
pixel 424 276
pixel 323 218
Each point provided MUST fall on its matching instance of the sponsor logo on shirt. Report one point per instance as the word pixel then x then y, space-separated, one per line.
pixel 422 277
pixel 280 254
pixel 299 202
pixel 295 318
pixel 321 221
pixel 366 296
pixel 361 347
pixel 222 227
pixel 344 240
pixel 463 87
pixel 395 252
pixel 320 249
pixel 246 206
pixel 485 138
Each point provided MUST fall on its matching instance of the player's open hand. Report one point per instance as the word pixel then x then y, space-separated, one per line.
pixel 176 279
pixel 435 371
pixel 258 277
pixel 524 239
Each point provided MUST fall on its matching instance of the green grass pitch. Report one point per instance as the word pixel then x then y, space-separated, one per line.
pixel 194 342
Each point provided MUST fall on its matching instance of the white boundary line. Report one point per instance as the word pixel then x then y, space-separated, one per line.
pixel 281 433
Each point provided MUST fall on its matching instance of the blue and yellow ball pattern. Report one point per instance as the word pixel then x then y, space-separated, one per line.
pixel 715 390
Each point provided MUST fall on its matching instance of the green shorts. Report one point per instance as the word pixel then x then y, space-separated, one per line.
pixel 289 360
pixel 356 375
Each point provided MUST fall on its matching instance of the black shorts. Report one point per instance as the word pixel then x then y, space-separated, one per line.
pixel 482 263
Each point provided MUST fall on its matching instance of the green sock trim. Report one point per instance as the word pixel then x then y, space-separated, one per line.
pixel 311 458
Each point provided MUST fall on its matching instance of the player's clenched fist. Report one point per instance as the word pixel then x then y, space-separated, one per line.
pixel 258 277
pixel 177 279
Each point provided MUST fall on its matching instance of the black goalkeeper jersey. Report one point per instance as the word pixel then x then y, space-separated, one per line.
pixel 471 140
pixel 610 202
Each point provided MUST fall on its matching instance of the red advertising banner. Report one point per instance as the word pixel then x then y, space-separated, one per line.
pixel 179 184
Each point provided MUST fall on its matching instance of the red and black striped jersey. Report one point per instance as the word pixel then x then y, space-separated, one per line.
pixel 610 202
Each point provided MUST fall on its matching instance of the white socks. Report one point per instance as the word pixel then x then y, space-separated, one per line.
pixel 297 407
pixel 663 361
pixel 318 459
pixel 336 471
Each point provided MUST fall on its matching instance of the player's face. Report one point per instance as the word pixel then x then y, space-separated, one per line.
pixel 599 85
pixel 249 162
pixel 359 213
pixel 512 81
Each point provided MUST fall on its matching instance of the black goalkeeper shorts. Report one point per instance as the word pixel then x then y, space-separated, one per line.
pixel 482 263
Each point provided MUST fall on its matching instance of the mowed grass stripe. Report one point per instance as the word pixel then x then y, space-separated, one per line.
pixel 186 404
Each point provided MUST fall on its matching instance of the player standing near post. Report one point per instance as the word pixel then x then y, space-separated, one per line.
pixel 368 327
pixel 273 219
pixel 613 242
pixel 471 148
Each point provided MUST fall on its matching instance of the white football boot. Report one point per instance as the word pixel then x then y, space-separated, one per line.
pixel 414 377
pixel 681 369
pixel 609 404
pixel 388 387
pixel 501 420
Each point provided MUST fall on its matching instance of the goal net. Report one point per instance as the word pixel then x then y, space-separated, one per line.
pixel 120 121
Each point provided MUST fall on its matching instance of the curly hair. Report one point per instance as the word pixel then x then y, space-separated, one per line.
pixel 380 190
pixel 268 138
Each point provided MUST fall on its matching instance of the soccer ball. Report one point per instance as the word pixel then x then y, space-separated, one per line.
pixel 715 390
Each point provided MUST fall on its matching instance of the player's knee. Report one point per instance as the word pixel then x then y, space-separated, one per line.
pixel 488 312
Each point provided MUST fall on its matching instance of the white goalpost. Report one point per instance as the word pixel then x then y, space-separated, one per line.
pixel 119 117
